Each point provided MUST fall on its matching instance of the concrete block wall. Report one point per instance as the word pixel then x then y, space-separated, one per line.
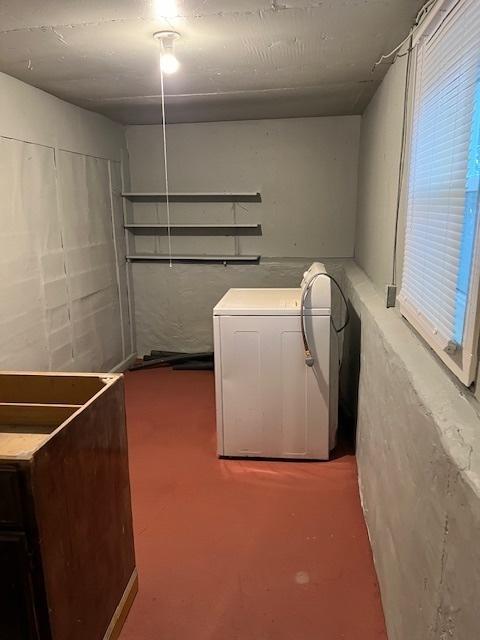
pixel 418 427
pixel 418 451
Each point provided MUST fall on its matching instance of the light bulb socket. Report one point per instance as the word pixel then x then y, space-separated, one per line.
pixel 166 38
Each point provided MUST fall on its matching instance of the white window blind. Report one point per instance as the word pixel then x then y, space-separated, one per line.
pixel 439 291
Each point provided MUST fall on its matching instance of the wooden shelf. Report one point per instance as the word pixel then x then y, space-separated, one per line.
pixel 192 197
pixel 153 257
pixel 195 229
pixel 136 226
pixel 188 229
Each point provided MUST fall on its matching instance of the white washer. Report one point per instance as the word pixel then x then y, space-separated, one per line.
pixel 269 402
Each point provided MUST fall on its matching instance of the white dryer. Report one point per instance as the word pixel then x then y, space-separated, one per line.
pixel 270 403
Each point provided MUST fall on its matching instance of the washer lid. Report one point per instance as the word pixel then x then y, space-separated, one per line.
pixel 263 302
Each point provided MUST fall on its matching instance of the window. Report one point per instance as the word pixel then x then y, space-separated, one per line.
pixel 440 282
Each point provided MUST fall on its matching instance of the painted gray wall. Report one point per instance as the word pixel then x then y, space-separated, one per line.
pixel 418 453
pixel 63 298
pixel 174 306
pixel 306 171
pixel 379 159
pixel 418 428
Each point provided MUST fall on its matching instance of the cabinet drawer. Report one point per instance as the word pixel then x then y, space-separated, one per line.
pixel 10 498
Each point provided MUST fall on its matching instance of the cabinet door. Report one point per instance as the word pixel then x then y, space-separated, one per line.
pixel 17 620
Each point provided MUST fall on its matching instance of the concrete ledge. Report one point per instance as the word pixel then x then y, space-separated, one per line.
pixel 418 449
pixel 455 414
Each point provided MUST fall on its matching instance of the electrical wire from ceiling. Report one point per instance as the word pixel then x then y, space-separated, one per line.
pixel 401 169
pixel 421 15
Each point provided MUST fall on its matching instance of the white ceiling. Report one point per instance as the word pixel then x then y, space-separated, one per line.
pixel 243 59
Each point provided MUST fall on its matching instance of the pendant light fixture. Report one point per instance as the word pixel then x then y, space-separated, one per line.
pixel 168 61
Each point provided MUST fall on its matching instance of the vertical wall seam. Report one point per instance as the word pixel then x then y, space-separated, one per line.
pixel 62 242
pixel 117 266
pixel 128 266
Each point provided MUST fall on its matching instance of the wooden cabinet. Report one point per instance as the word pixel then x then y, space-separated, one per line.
pixel 67 564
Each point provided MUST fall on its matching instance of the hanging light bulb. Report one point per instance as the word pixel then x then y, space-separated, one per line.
pixel 168 62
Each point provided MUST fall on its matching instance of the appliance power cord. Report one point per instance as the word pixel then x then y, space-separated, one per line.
pixel 309 361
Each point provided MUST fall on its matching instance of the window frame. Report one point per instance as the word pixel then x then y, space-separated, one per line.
pixel 462 362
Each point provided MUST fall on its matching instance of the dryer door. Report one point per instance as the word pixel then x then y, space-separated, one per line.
pixel 273 405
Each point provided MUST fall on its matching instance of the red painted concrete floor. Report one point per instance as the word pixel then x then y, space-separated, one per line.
pixel 237 550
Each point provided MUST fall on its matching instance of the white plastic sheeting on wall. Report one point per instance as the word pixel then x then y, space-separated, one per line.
pixel 85 204
pixel 60 307
pixel 33 310
pixel 63 288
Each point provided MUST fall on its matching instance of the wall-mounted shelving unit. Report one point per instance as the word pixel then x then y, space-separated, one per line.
pixel 192 197
pixel 193 229
pixel 155 257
